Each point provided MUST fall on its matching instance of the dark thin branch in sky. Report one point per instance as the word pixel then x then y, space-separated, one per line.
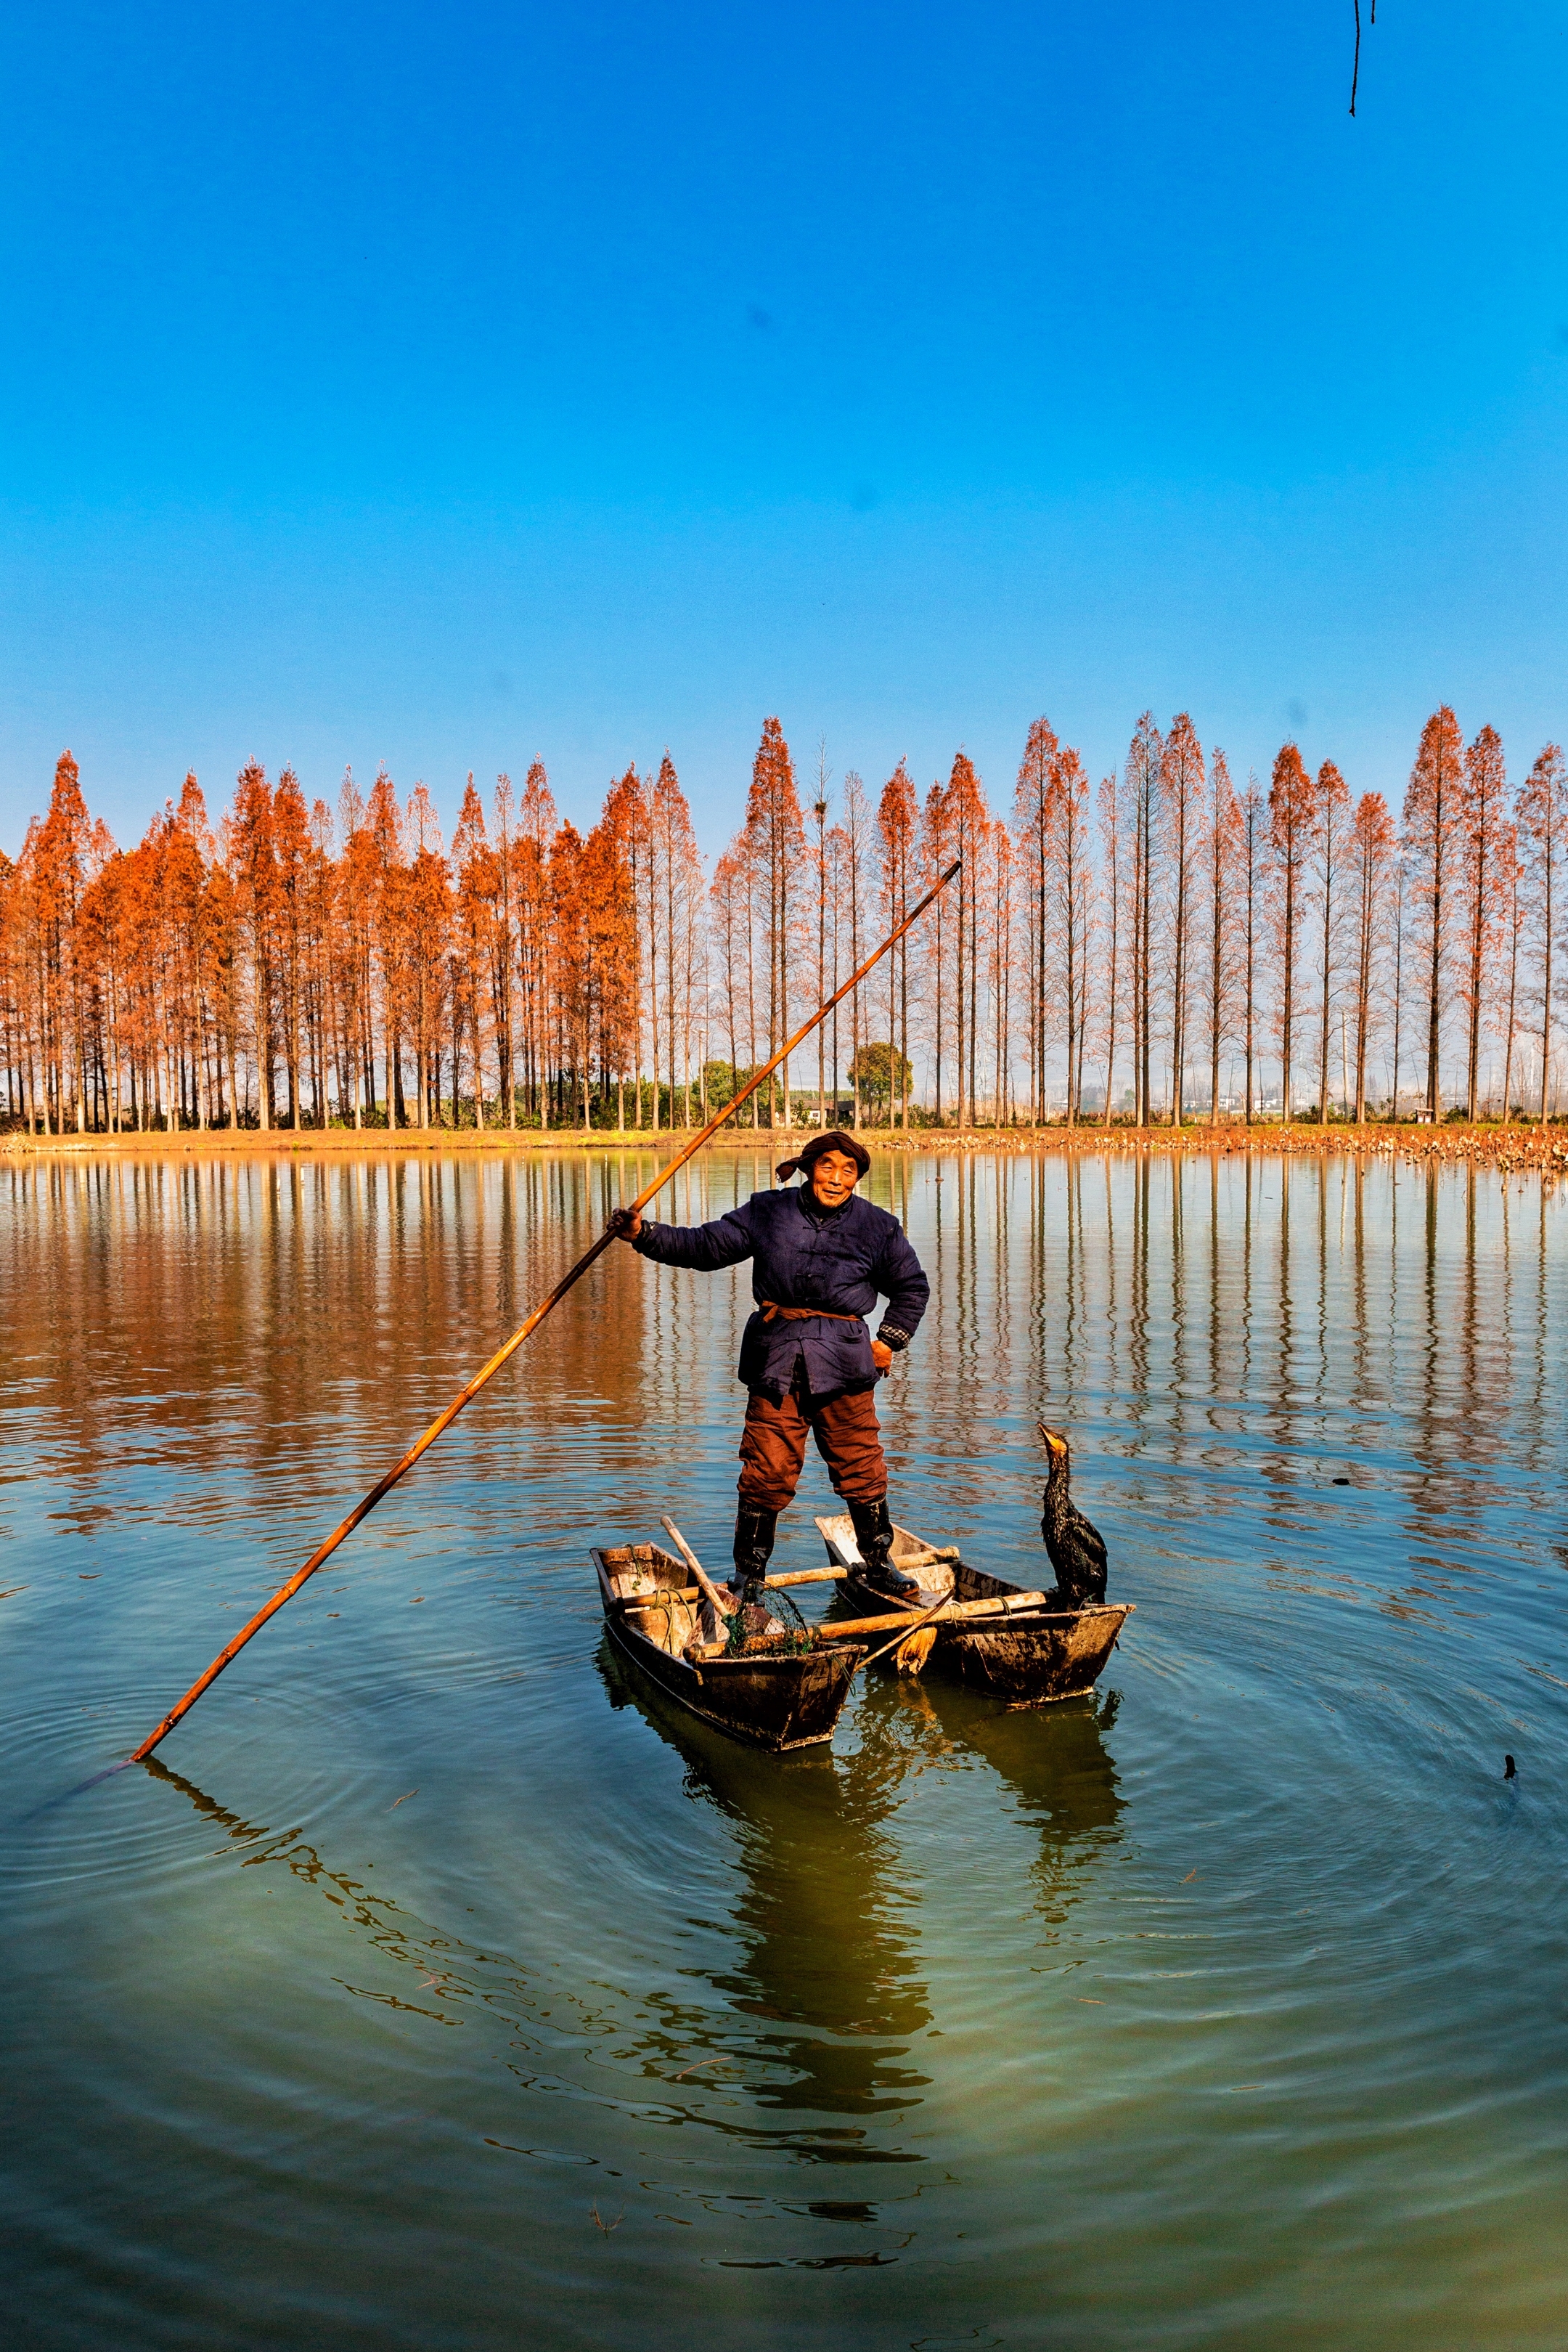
pixel 1356 68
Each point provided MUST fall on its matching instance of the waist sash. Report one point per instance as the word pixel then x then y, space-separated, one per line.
pixel 770 1309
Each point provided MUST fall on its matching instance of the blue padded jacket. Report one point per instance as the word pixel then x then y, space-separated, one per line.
pixel 839 1260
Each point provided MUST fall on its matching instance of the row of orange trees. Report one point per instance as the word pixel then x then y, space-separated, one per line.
pixel 1168 944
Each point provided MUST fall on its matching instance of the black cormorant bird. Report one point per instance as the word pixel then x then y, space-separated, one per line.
pixel 1076 1550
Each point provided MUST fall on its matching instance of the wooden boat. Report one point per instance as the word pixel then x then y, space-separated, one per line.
pixel 771 1693
pixel 1039 1655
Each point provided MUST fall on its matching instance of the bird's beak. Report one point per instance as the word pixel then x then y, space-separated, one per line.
pixel 1055 1443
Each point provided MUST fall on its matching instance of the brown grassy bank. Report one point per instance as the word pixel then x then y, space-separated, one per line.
pixel 1510 1149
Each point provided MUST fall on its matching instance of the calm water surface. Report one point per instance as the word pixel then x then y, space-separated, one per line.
pixel 443 1990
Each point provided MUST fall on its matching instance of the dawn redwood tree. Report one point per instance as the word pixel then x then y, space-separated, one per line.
pixel 249 844
pixel 60 868
pixel 858 826
pixel 748 870
pixel 934 854
pixel 1330 849
pixel 1401 929
pixel 138 902
pixel 1254 850
pixel 897 825
pixel 1181 787
pixel 966 822
pixel 1291 813
pixel 182 877
pixel 1037 804
pixel 472 863
pixel 1000 955
pixel 1108 807
pixel 1483 894
pixel 1142 832
pixel 321 1004
pixel 1432 823
pixel 612 946
pixel 291 854
pixel 572 1010
pixel 192 854
pixel 1543 838
pixel 1072 892
pixel 676 871
pixel 835 850
pixel 646 865
pixel 504 944
pixel 535 902
pixel 1511 893
pixel 821 879
pixel 359 875
pixel 13 1020
pixel 777 828
pixel 1371 861
pixel 625 812
pixel 98 947
pixel 428 925
pixel 612 941
pixel 1223 868
pixel 218 954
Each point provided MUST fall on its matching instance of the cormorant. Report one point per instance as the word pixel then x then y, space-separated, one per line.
pixel 1076 1550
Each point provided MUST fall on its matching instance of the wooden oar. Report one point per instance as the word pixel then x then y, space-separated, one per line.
pixel 700 1591
pixel 948 1613
pixel 719 1606
pixel 706 1584
pixel 573 1276
pixel 945 1613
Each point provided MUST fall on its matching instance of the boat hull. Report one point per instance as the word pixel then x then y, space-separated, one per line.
pixel 776 1702
pixel 1030 1660
pixel 1027 1661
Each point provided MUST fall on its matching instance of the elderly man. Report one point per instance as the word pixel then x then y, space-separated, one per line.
pixel 820 1256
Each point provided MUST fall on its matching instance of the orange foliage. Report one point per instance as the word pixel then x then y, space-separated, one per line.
pixel 303 965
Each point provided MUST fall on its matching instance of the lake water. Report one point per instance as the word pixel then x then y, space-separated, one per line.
pixel 439 1988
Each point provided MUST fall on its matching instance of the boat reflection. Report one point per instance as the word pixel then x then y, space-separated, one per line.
pixel 824 1977
pixel 1055 1761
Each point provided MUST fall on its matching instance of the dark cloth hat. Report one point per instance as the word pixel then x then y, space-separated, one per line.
pixel 835 1139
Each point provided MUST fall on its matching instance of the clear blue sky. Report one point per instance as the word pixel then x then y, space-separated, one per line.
pixel 454 386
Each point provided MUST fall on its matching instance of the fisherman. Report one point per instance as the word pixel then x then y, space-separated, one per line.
pixel 820 1258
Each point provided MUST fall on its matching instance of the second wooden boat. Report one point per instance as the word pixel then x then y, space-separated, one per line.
pixel 771 1693
pixel 1028 1660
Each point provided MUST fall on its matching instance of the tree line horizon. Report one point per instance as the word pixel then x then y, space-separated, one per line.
pixel 1210 950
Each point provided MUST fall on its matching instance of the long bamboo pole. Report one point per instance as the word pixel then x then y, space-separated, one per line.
pixel 574 1274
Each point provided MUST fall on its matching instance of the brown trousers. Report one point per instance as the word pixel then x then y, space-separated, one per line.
pixel 773 1447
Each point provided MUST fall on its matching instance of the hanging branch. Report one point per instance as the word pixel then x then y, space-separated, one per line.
pixel 1355 67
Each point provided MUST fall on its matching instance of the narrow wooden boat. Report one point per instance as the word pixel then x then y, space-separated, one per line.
pixel 1028 1660
pixel 771 1693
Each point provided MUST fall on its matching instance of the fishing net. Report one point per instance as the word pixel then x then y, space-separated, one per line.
pixel 767 1618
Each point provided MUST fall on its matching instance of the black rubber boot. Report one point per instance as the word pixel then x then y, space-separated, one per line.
pixel 873 1534
pixel 754 1532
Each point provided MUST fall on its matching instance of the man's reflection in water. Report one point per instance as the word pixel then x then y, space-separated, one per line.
pixel 825 1916
pixel 823 1966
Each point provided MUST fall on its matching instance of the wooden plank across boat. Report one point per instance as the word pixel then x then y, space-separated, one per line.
pixel 771 1693
pixel 1028 1659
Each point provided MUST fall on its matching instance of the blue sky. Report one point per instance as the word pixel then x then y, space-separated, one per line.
pixel 448 387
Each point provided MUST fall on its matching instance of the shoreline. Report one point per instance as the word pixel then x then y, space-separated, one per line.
pixel 1510 1149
